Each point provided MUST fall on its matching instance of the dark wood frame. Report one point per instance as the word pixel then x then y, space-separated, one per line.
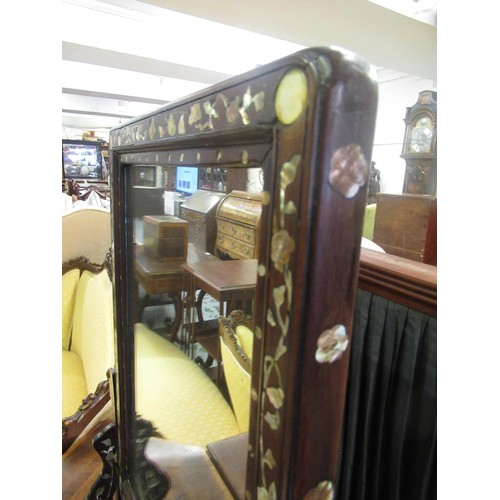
pixel 308 259
pixel 93 403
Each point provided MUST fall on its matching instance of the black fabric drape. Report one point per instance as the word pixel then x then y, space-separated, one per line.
pixel 389 448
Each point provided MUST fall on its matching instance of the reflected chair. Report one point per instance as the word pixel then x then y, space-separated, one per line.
pixel 236 344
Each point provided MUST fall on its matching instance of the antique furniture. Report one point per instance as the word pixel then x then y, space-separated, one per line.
pixel 238 225
pixel 307 121
pixel 406 225
pixel 199 210
pixel 420 145
pixel 165 237
pixel 165 277
pixel 231 282
pixel 236 334
pixel 87 344
pixel 86 231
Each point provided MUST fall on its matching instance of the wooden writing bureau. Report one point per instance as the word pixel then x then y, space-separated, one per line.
pixel 238 225
pixel 199 210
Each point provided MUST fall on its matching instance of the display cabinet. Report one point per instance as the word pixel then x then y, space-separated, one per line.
pixel 307 122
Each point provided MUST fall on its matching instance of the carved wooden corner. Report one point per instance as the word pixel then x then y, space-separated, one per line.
pixel 74 425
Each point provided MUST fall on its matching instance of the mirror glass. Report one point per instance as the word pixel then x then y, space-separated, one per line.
pixel 187 231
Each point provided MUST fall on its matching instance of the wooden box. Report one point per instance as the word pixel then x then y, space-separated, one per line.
pixel 406 225
pixel 165 237
pixel 238 225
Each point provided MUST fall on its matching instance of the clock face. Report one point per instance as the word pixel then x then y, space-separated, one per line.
pixel 421 136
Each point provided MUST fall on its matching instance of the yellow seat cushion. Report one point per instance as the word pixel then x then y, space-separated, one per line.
pixel 93 327
pixel 74 385
pixel 176 395
pixel 69 287
pixel 238 382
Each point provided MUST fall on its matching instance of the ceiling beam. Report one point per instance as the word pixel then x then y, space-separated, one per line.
pixel 111 59
pixel 118 97
pixel 95 113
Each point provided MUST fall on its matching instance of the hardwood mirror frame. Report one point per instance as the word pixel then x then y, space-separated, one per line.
pixel 308 120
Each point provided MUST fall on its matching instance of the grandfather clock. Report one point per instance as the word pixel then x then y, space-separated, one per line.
pixel 420 145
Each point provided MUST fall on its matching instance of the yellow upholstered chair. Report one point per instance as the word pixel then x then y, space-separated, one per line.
pixel 236 344
pixel 369 221
pixel 86 232
pixel 176 395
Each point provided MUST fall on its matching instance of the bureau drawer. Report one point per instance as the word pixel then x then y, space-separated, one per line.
pixel 235 248
pixel 243 233
pixel 197 238
pixel 192 217
pixel 168 283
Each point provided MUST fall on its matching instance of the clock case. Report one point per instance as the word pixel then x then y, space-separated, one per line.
pixel 421 168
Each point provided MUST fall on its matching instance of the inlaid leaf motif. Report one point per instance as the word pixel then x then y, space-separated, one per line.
pixel 232 111
pixel 195 115
pixel 276 396
pixel 270 317
pixel 281 349
pixel 288 171
pixel 172 129
pixel 273 419
pixel 259 100
pixel 324 491
pixel 152 129
pixel 279 296
pixel 265 494
pixel 290 208
pixel 282 246
pixel 182 126
pixel 269 459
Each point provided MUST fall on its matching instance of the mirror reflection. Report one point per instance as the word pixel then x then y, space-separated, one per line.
pixel 196 240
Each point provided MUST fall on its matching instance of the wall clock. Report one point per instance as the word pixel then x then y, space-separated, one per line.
pixel 420 145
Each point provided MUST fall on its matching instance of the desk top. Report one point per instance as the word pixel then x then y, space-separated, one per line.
pixel 150 266
pixel 225 275
pixel 229 457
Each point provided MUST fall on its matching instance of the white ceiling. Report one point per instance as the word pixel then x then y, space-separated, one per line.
pixel 124 58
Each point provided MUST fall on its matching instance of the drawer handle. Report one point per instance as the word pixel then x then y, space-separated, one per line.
pixel 245 251
pixel 246 235
pixel 233 229
pixel 233 245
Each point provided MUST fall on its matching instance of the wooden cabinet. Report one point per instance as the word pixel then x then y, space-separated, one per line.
pixel 199 211
pixel 238 224
pixel 406 225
